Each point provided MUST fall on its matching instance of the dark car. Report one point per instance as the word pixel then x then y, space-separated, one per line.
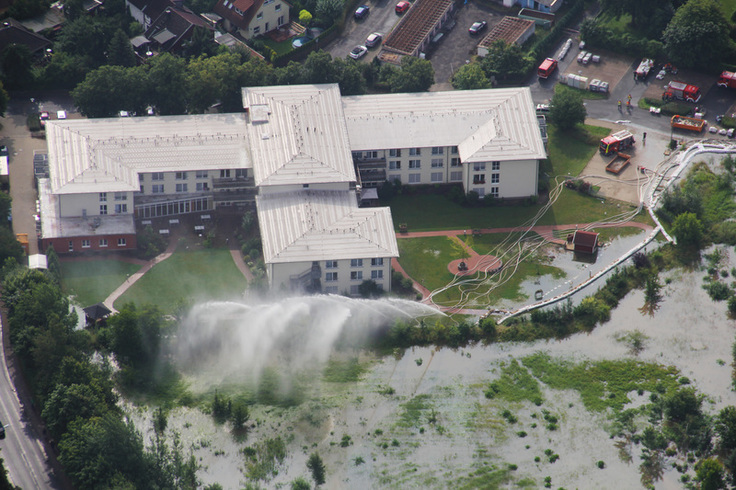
pixel 477 27
pixel 362 12
pixel 2 430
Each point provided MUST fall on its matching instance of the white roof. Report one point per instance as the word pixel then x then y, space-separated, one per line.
pixel 37 261
pixel 485 125
pixel 297 135
pixel 323 225
pixel 106 155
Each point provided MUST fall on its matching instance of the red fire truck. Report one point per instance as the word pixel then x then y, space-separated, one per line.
pixel 727 79
pixel 681 91
pixel 616 142
pixel 547 67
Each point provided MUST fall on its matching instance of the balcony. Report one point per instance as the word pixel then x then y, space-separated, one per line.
pixel 232 183
pixel 235 195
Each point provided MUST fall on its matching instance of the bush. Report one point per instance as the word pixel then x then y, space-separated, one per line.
pixel 718 291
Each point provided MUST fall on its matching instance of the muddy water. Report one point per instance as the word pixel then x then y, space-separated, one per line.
pixel 689 331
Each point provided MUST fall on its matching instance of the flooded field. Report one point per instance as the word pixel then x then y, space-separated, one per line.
pixel 421 418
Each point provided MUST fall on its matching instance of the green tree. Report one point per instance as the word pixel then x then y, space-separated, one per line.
pixel 120 51
pixel 698 35
pixel 110 89
pixel 26 9
pixel 726 429
pixel 4 99
pixel 305 17
pixel 167 80
pixel 300 483
pixel 65 70
pixel 104 452
pixel 239 415
pixel 470 77
pixel 201 43
pixel 504 62
pixel 319 68
pixel 329 10
pixel 68 403
pixel 317 468
pixel 416 75
pixel 369 289
pixel 73 9
pixel 682 405
pixel 709 472
pixel 16 62
pixel 86 36
pixel 567 109
pixel 136 334
pixel 688 231
pixel 350 77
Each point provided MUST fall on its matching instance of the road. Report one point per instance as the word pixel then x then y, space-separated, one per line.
pixel 382 18
pixel 23 449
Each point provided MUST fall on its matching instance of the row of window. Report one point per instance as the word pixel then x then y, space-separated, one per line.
pixel 102 243
pixel 332 264
pixel 481 191
pixel 172 208
pixel 396 152
pixel 354 289
pixel 279 22
pixel 481 178
pixel 119 196
pixel 478 166
pixel 160 189
pixel 199 174
pixel 354 275
pixel 435 177
pixel 414 164
pixel 119 208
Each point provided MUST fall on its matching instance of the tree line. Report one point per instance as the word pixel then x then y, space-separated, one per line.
pixel 172 85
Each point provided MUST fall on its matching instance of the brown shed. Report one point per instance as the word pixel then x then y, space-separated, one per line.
pixel 582 241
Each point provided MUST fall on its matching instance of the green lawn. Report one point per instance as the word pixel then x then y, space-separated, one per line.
pixel 196 276
pixel 426 259
pixel 569 152
pixel 436 212
pixel 281 48
pixel 90 282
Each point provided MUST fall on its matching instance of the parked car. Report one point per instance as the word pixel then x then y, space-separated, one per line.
pixel 358 52
pixel 477 27
pixel 373 39
pixel 43 117
pixel 543 108
pixel 723 132
pixel 362 12
pixel 402 7
pixel 729 133
pixel 2 430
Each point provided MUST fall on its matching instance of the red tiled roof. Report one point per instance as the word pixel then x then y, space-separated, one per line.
pixel 416 25
pixel 226 9
pixel 510 29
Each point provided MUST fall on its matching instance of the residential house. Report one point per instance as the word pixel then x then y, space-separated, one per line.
pixel 173 27
pixel 251 18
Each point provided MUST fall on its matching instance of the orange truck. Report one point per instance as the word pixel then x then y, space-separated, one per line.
pixel 547 67
pixel 616 142
pixel 688 123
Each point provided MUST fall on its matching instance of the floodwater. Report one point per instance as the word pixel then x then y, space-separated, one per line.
pixel 688 331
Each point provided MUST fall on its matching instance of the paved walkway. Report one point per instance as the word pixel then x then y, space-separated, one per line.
pixel 545 231
pixel 240 263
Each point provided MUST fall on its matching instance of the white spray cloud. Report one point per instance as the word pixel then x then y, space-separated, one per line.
pixel 226 340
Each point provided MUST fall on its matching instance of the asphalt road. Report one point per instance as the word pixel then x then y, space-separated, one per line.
pixel 382 18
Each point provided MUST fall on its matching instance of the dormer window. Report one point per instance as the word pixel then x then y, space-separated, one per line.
pixel 260 15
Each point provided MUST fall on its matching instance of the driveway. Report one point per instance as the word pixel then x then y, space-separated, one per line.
pixel 382 18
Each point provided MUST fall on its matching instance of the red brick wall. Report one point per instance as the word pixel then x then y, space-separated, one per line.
pixel 61 245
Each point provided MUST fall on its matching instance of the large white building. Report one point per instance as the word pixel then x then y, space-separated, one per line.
pixel 301 153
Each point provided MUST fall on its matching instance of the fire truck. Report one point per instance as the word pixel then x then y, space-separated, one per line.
pixel 727 79
pixel 547 67
pixel 681 91
pixel 616 142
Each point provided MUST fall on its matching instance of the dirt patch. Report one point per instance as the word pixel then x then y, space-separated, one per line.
pixel 611 68
pixel 656 87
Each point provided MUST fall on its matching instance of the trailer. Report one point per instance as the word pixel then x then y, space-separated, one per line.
pixel 576 81
pixel 681 91
pixel 727 79
pixel 642 71
pixel 620 162
pixel 688 123
pixel 616 142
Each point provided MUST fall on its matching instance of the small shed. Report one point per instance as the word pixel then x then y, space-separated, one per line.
pixel 582 242
pixel 96 312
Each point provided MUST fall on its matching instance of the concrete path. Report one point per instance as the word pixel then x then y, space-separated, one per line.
pixel 110 300
pixel 545 231
pixel 240 263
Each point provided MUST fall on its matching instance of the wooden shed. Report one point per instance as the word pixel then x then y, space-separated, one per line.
pixel 582 241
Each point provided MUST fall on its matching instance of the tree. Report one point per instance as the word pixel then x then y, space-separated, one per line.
pixel 688 231
pixel 709 473
pixel 726 429
pixel 4 98
pixel 504 61
pixel 136 334
pixel 567 109
pixel 120 51
pixel 73 9
pixel 200 44
pixel 239 415
pixel 470 77
pixel 416 75
pixel 66 70
pixel 698 35
pixel 85 36
pixel 682 405
pixel 300 483
pixel 317 467
pixel 305 17
pixel 319 68
pixel 67 403
pixel 167 79
pixel 329 10
pixel 369 289
pixel 213 79
pixel 350 77
pixel 110 89
pixel 16 62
